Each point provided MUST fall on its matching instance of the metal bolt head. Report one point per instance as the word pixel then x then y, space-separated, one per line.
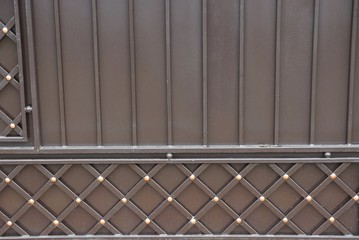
pixel 333 176
pixel 327 154
pixel 12 125
pixel 146 178
pixel 100 178
pixel 262 199
pixel 124 200
pixel 78 200
pixel 331 219
pixel 309 198
pixel 169 199
pixel 169 155
pixel 8 223
pixel 285 176
pixel 238 177
pixel 192 177
pixel 285 220
pixel 215 199
pixel 5 30
pixel 356 198
pixel 56 222
pixel 147 221
pixel 239 220
pixel 53 179
pixel 7 180
pixel 31 201
pixel 193 221
pixel 8 77
pixel 102 222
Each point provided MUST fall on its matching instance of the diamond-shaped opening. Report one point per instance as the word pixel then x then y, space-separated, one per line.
pixel 286 230
pixel 262 177
pixel 124 178
pixel 30 179
pixel 192 167
pixel 285 198
pixel 55 200
pixel 10 201
pixel 239 230
pixel 350 219
pixel 148 231
pixel 103 231
pixel 170 220
pixel 332 230
pixel 33 221
pixel 239 198
pixel 351 177
pixel 262 219
pixel 308 219
pixel 77 179
pixel 53 168
pixel 193 199
pixel 285 166
pixel 100 167
pixel 238 166
pixel 194 231
pixel 221 179
pixel 8 48
pixel 6 11
pixel 7 169
pixel 79 221
pixel 147 199
pixel 332 198
pixel 333 166
pixel 101 199
pixel 146 167
pixel 125 220
pixel 216 220
pixel 57 232
pixel 169 178
pixel 10 233
pixel 10 101
pixel 308 177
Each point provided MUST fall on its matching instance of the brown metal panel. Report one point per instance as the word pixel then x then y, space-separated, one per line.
pixel 114 65
pixel 78 71
pixel 186 63
pixel 295 71
pixel 223 62
pixel 333 71
pixel 259 71
pixel 150 57
pixel 355 116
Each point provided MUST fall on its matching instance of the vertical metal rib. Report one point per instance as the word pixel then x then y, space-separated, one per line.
pixel 241 72
pixel 352 72
pixel 277 72
pixel 97 74
pixel 204 71
pixel 133 71
pixel 314 72
pixel 59 72
pixel 168 73
pixel 32 69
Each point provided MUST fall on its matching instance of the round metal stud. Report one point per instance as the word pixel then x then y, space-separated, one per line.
pixel 100 178
pixel 146 178
pixel 309 198
pixel 147 221
pixel 285 220
pixel 53 179
pixel 262 199
pixel 333 176
pixel 169 155
pixel 5 30
pixel 192 177
pixel 285 176
pixel 169 199
pixel 327 154
pixel 12 125
pixel 331 219
pixel 8 223
pixel 56 222
pixel 8 77
pixel 215 199
pixel 239 221
pixel 31 201
pixel 78 200
pixel 124 200
pixel 7 180
pixel 356 198
pixel 238 177
pixel 193 221
pixel 102 221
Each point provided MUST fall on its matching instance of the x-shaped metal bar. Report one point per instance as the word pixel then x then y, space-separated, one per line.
pixel 9 27
pixel 11 75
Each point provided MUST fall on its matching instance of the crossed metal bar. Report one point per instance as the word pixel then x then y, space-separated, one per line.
pixel 9 25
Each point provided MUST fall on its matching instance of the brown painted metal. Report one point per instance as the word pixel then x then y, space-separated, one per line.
pixel 179 118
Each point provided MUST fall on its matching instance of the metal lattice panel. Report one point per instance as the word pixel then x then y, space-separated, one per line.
pixel 12 119
pixel 172 199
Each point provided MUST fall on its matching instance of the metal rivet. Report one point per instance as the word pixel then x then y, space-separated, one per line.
pixel 124 200
pixel 78 200
pixel 102 222
pixel 309 198
pixel 285 220
pixel 12 125
pixel 9 223
pixel 7 180
pixel 331 219
pixel 239 221
pixel 56 222
pixel 5 30
pixel 216 199
pixel 169 199
pixel 238 177
pixel 192 177
pixel 53 179
pixel 147 221
pixel 262 199
pixel 146 178
pixel 327 154
pixel 356 198
pixel 333 176
pixel 285 176
pixel 8 77
pixel 31 201
pixel 169 155
pixel 193 221
pixel 100 178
